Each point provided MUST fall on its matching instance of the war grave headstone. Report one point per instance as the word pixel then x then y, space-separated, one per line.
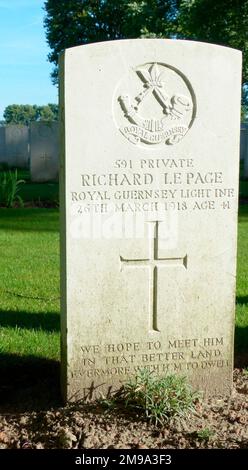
pixel 2 145
pixel 44 151
pixel 149 196
pixel 17 146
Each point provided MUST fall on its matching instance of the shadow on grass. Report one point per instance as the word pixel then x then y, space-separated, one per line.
pixel 32 321
pixel 242 300
pixel 241 347
pixel 243 209
pixel 28 383
pixel 29 220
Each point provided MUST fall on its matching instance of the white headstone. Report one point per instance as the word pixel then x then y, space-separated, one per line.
pixel 16 148
pixel 149 196
pixel 44 151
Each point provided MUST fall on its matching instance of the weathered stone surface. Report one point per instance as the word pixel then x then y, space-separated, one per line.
pixel 14 145
pixel 149 194
pixel 2 144
pixel 44 151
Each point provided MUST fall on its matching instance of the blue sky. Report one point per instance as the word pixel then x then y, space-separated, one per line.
pixel 24 68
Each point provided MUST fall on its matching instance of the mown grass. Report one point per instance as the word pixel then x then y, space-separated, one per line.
pixel 29 283
pixel 241 336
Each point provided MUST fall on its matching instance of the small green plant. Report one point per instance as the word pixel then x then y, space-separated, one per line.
pixel 109 403
pixel 160 398
pixel 9 188
pixel 245 372
pixel 205 434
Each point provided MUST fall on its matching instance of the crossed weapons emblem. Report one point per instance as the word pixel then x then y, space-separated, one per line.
pixel 174 107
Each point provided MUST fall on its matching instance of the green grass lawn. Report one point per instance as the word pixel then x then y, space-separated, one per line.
pixel 241 337
pixel 29 283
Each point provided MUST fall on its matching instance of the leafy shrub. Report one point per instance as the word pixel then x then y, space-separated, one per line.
pixel 9 188
pixel 159 398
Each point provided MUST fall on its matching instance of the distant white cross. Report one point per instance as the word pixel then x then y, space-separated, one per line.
pixel 153 263
pixel 45 158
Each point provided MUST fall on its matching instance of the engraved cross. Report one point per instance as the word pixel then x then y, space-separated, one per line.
pixel 45 158
pixel 153 263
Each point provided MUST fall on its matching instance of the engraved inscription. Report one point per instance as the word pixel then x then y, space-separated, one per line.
pixel 178 355
pixel 153 263
pixel 135 186
pixel 155 105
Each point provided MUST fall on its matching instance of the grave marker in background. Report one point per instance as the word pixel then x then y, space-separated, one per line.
pixel 14 147
pixel 149 197
pixel 44 151
pixel 2 145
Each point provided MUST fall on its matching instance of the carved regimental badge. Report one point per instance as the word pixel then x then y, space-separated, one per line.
pixel 155 104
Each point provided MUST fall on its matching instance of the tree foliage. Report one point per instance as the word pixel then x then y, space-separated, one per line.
pixel 75 22
pixel 71 23
pixel 223 22
pixel 24 114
